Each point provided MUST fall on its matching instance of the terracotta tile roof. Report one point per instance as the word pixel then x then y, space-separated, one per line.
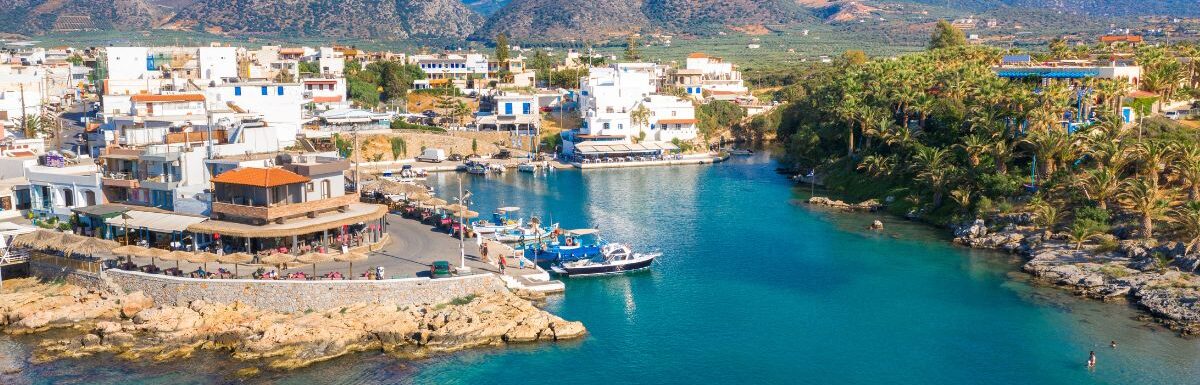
pixel 676 121
pixel 327 99
pixel 167 98
pixel 697 55
pixel 1116 38
pixel 260 177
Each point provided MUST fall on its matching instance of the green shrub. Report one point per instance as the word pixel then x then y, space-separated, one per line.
pixel 463 300
pixel 1093 215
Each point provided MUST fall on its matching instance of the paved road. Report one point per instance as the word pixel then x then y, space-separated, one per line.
pixel 412 249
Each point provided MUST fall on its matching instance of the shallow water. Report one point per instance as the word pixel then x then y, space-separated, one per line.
pixel 752 288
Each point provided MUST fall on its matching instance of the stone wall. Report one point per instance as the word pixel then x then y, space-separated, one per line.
pixel 297 296
pixel 51 273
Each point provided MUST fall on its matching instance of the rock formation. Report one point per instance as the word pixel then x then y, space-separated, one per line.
pixel 132 327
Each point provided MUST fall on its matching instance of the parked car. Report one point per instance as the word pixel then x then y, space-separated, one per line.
pixel 503 154
pixel 439 269
pixel 454 157
pixel 429 113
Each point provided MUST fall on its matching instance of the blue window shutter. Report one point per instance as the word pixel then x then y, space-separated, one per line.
pixel 237 91
pixel 264 90
pixel 508 108
pixel 525 107
pixel 279 90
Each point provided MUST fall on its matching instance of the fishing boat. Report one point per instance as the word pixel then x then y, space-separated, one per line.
pixel 405 175
pixel 568 245
pixel 532 233
pixel 739 151
pixel 499 222
pixel 496 168
pixel 527 167
pixel 476 168
pixel 614 258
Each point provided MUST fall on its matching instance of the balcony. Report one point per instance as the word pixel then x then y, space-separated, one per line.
pixel 280 213
pixel 120 179
pixel 160 182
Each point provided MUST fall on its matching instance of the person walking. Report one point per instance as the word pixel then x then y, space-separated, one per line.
pixel 502 265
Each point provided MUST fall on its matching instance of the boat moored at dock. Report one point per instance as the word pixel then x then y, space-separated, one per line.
pixel 614 258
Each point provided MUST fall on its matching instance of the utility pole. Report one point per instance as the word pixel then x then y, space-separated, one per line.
pixel 462 227
pixel 24 114
pixel 357 174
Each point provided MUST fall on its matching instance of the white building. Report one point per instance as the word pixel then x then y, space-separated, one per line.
pixel 326 92
pixel 218 64
pixel 279 104
pixel 620 103
pixel 712 74
pixel 332 62
pixel 20 86
pixel 513 111
pixel 54 191
pixel 452 66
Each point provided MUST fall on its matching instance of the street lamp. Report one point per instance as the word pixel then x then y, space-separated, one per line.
pixel 462 227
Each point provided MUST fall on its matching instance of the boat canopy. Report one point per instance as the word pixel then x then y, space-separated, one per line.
pixel 583 231
pixel 508 208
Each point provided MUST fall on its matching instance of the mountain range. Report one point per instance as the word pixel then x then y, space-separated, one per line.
pixel 522 20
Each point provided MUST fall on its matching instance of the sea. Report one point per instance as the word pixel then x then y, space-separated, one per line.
pixel 754 287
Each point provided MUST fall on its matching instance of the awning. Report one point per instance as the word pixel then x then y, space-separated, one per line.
pixel 158 222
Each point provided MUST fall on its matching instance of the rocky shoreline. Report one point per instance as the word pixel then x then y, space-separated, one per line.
pixel 1159 278
pixel 131 326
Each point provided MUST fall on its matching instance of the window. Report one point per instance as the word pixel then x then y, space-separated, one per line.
pixel 678 126
pixel 68 197
pixel 605 126
pixel 620 126
pixel 264 90
pixel 89 197
pixel 279 90
pixel 651 126
pixel 326 189
pixel 508 108
pixel 308 187
pixel 525 108
pixel 237 91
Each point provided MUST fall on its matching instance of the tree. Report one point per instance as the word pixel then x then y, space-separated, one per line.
pixel 1100 185
pixel 502 48
pixel 1187 166
pixel 854 57
pixel 631 49
pixel 474 146
pixel 1083 231
pixel 640 117
pixel 933 167
pixel 946 35
pixel 399 147
pixel 1146 200
pixel 1187 217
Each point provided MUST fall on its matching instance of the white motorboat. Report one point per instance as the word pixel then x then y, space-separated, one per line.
pixel 614 258
pixel 499 222
pixel 527 167
pixel 533 232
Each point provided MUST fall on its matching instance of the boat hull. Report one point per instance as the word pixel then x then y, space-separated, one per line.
pixel 603 269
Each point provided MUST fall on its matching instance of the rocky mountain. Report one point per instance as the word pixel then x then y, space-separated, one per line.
pixel 24 16
pixel 485 7
pixel 332 18
pixel 547 20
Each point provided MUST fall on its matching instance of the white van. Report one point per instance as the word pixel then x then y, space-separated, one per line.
pixel 433 155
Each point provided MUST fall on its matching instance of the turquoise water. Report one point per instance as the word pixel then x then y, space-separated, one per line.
pixel 753 288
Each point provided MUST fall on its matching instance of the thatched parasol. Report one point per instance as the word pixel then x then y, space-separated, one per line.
pixel 465 214
pixel 417 197
pixel 166 256
pixel 38 239
pixel 277 259
pixel 130 251
pixel 89 245
pixel 236 259
pixel 313 259
pixel 455 207
pixel 202 258
pixel 351 258
pixel 390 187
pixel 434 202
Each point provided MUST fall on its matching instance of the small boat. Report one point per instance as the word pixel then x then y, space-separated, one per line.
pixel 530 233
pixel 405 175
pixel 499 222
pixel 614 258
pixel 527 167
pixel 476 168
pixel 496 168
pixel 737 151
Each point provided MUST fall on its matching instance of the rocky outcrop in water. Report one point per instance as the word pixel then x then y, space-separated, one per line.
pixel 868 205
pixel 1156 277
pixel 132 327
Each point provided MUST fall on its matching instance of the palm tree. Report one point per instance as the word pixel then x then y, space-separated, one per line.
pixel 1046 215
pixel 1153 157
pixel 1187 166
pixel 640 117
pixel 933 166
pixel 1100 185
pixel 1082 231
pixel 878 165
pixel 1146 200
pixel 1187 217
pixel 975 146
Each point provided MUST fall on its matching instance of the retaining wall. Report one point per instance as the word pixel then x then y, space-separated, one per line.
pixel 295 296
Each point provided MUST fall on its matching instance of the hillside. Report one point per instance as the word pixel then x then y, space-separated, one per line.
pixel 24 16
pixel 332 18
pixel 547 20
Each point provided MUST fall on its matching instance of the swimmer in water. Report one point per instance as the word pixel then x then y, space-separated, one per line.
pixel 1113 344
pixel 1091 363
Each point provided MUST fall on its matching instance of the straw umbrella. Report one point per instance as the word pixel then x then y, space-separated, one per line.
pixel 202 258
pixel 130 250
pixel 313 259
pixel 89 246
pixel 236 259
pixel 163 255
pixel 455 208
pixel 434 202
pixel 351 258
pixel 277 259
pixel 37 239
